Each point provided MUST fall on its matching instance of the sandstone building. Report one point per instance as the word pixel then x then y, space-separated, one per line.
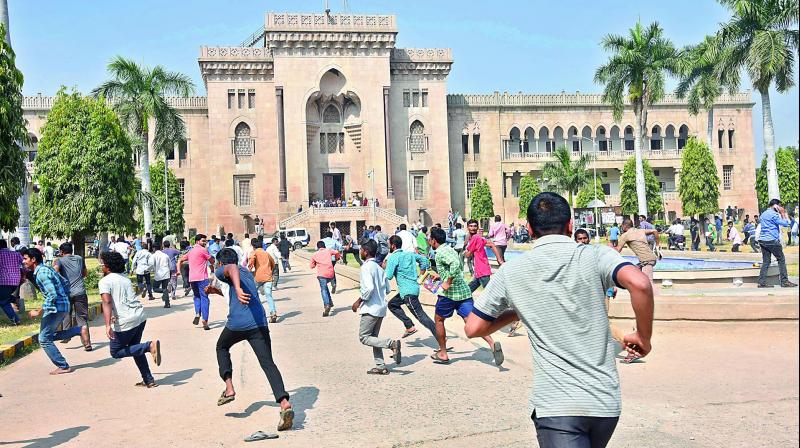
pixel 316 106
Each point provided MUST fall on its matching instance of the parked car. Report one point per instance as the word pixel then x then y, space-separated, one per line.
pixel 298 237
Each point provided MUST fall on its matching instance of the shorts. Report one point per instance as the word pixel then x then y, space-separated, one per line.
pixel 445 307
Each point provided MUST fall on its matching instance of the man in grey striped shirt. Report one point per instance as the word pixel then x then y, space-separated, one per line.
pixel 557 289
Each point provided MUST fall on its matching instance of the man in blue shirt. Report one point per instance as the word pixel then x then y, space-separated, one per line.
pixel 769 239
pixel 718 225
pixel 55 308
pixel 403 266
pixel 645 225
pixel 246 321
pixel 613 234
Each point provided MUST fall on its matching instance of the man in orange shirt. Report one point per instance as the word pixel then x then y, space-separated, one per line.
pixel 323 261
pixel 263 264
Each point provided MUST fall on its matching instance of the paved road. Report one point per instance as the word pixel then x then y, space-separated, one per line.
pixel 717 384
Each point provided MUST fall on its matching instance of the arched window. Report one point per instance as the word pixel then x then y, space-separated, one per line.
pixel 602 139
pixel 416 138
pixel 33 149
pixel 655 138
pixel 331 115
pixel 242 143
pixel 683 135
pixel 628 138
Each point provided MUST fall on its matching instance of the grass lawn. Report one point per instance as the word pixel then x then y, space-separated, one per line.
pixel 10 334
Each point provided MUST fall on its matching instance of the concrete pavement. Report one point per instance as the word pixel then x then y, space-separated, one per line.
pixel 706 384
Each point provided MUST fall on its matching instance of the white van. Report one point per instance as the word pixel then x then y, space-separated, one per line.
pixel 298 237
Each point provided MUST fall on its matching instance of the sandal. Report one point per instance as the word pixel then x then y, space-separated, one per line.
pixel 87 348
pixel 287 418
pixel 225 399
pixel 377 371
pixel 409 333
pixel 437 360
pixel 259 435
pixel 497 351
pixel 630 358
pixel 147 385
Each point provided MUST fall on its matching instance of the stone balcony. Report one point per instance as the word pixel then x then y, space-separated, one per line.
pixel 330 22
pixel 617 156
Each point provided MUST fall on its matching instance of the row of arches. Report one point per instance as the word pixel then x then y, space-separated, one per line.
pixel 614 138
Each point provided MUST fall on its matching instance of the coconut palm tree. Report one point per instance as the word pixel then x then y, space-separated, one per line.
pixel 139 96
pixel 636 72
pixel 565 174
pixel 703 79
pixel 763 37
pixel 4 20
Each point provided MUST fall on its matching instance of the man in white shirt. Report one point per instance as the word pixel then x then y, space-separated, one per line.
pixel 734 237
pixel 275 253
pixel 371 305
pixel 161 273
pixel 409 241
pixel 142 264
pixel 123 248
pixel 675 230
pixel 336 233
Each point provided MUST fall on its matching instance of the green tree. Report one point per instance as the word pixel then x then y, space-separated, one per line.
pixel 176 222
pixel 699 184
pixel 703 79
pixel 480 201
pixel 628 200
pixel 786 162
pixel 84 170
pixel 587 194
pixel 139 95
pixel 12 134
pixel 763 38
pixel 565 174
pixel 635 73
pixel 528 189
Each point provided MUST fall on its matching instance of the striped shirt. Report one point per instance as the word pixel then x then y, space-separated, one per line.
pixel 557 289
pixel 54 288
pixel 448 265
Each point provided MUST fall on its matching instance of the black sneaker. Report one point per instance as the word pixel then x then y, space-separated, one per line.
pixel 764 286
pixel 788 284
pixel 196 320
pixel 167 305
pixel 326 312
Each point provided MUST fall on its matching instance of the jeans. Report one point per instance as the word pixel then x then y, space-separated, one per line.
pixel 577 432
pixel 201 303
pixel 412 302
pixel 768 249
pixel 333 280
pixel 710 243
pixel 6 298
pixel 142 280
pixel 368 330
pixel 754 245
pixel 173 283
pixel 479 281
pixel 265 288
pixel 286 265
pixel 262 346
pixel 276 272
pixel 129 343
pixel 323 287
pixel 162 286
pixel 48 334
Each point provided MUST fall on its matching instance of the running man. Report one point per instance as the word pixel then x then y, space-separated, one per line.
pixel 557 289
pixel 403 266
pixel 55 308
pixel 263 265
pixel 636 239
pixel 125 318
pixel 277 257
pixel 334 245
pixel 476 250
pixel 161 273
pixel 73 268
pixel 142 263
pixel 198 259
pixel 246 322
pixel 455 296
pixel 173 255
pixel 323 261
pixel 371 305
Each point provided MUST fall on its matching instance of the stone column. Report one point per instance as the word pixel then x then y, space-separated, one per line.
pixel 387 138
pixel 281 146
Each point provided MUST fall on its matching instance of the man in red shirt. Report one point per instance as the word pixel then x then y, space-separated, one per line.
pixel 198 259
pixel 323 261
pixel 476 249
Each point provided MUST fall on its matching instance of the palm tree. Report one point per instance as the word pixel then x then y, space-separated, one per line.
pixel 764 39
pixel 4 19
pixel 138 95
pixel 565 174
pixel 703 78
pixel 638 65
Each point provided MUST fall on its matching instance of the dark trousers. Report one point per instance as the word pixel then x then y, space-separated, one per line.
pixel 286 265
pixel 276 272
pixel 6 297
pixel 185 278
pixel 129 344
pixel 710 243
pixel 412 302
pixel 262 347
pixel 355 254
pixel 502 249
pixel 768 249
pixel 79 312
pixel 574 432
pixel 162 286
pixel 479 281
pixel 143 280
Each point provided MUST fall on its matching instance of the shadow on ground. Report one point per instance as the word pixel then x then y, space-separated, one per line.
pixel 56 438
pixel 303 399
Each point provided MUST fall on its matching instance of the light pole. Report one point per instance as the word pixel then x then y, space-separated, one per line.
pixel 166 196
pixel 594 185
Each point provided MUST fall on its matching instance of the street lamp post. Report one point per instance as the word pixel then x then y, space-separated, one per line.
pixel 166 197
pixel 594 186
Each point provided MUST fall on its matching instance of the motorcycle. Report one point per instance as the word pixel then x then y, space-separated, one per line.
pixel 677 242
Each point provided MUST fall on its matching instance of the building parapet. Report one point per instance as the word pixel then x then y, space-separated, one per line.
pixel 422 55
pixel 571 99
pixel 45 103
pixel 235 54
pixel 331 22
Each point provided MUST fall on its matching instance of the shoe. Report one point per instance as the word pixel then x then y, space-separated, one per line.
pixel 497 351
pixel 396 349
pixel 788 284
pixel 333 289
pixel 326 312
pixel 167 305
pixel 273 318
pixel 196 320
pixel 764 286
pixel 144 291
pixel 66 341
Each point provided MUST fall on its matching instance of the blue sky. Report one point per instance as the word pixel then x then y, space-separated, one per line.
pixel 512 45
